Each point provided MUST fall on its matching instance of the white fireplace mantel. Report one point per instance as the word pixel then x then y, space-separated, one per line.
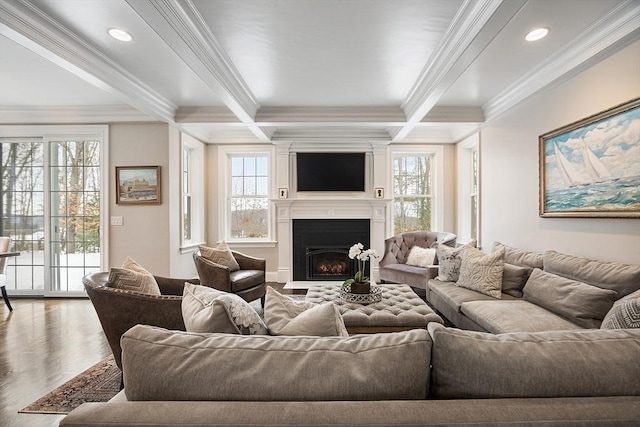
pixel 376 210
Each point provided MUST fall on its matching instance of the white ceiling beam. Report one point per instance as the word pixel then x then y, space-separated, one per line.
pixel 28 26
pixel 182 27
pixel 472 29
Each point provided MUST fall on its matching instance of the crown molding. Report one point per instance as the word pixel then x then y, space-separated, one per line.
pixel 205 115
pixel 330 114
pixel 28 26
pixel 616 29
pixel 322 135
pixel 72 114
pixel 182 27
pixel 454 115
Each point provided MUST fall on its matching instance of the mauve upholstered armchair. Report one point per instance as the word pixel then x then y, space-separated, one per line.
pixel 119 310
pixel 248 282
pixel 393 267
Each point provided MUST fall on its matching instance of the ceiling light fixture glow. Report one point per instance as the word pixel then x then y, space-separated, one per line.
pixel 536 34
pixel 119 34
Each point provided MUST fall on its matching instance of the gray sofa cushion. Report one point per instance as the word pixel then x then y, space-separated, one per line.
pixel 499 317
pixel 519 257
pixel 470 364
pixel 622 278
pixel 582 304
pixel 159 364
pixel 514 277
pixel 455 295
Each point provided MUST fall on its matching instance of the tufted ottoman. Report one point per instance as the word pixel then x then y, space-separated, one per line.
pixel 399 310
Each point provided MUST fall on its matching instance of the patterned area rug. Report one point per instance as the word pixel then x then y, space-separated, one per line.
pixel 97 384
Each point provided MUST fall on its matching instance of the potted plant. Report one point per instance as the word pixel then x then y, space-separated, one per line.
pixel 360 283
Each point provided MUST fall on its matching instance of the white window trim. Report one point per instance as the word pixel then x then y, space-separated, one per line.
pixel 196 174
pixel 437 188
pixel 54 132
pixel 224 194
pixel 465 180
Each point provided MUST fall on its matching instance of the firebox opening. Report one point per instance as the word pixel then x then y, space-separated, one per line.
pixel 329 263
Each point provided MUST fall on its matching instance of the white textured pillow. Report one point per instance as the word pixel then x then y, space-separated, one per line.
pixel 221 254
pixel 285 316
pixel 421 257
pixel 482 273
pixel 206 309
pixel 449 261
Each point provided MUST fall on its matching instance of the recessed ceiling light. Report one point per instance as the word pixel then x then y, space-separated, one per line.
pixel 119 34
pixel 536 34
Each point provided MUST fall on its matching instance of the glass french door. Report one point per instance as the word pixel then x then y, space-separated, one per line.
pixel 51 210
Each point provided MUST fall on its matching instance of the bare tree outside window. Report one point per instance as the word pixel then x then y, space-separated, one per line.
pixel 412 193
pixel 249 202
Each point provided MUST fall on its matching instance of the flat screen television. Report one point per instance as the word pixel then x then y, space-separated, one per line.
pixel 330 171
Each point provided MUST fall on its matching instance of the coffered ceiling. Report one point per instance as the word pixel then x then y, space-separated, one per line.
pixel 320 71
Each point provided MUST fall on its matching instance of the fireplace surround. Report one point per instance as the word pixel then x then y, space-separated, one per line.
pixel 321 247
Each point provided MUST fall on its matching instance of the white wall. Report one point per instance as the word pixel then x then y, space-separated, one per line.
pixel 509 166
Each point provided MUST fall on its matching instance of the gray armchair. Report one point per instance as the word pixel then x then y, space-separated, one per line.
pixel 393 267
pixel 248 282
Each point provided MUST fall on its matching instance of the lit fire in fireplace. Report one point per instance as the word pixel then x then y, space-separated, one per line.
pixel 337 267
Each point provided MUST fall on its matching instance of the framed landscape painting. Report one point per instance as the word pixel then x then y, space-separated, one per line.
pixel 591 168
pixel 138 185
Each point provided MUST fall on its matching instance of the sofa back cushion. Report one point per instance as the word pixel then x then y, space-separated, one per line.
pixel 159 364
pixel 477 365
pixel 519 257
pixel 622 278
pixel 583 304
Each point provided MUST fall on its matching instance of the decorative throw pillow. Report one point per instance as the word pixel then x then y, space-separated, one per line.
pixel 519 257
pixel 285 316
pixel 421 257
pixel 482 273
pixel 206 309
pixel 623 315
pixel 583 304
pixel 449 261
pixel 130 264
pixel 133 281
pixel 514 277
pixel 221 254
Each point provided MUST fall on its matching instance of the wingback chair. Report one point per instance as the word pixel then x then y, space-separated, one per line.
pixel 119 310
pixel 393 267
pixel 248 282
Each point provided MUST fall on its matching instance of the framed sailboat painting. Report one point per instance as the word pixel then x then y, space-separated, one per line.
pixel 591 168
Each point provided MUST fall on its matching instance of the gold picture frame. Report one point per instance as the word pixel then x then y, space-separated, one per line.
pixel 138 185
pixel 590 168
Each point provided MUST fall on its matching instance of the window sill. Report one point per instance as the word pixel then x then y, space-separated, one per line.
pixel 252 243
pixel 190 247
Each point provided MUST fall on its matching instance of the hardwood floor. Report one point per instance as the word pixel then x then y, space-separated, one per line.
pixel 43 344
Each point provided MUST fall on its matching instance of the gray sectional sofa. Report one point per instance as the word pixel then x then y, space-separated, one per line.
pixel 558 348
pixel 443 376
pixel 541 292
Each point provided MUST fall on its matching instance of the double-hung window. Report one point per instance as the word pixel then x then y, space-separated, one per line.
pixel 247 215
pixel 412 192
pixel 192 189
